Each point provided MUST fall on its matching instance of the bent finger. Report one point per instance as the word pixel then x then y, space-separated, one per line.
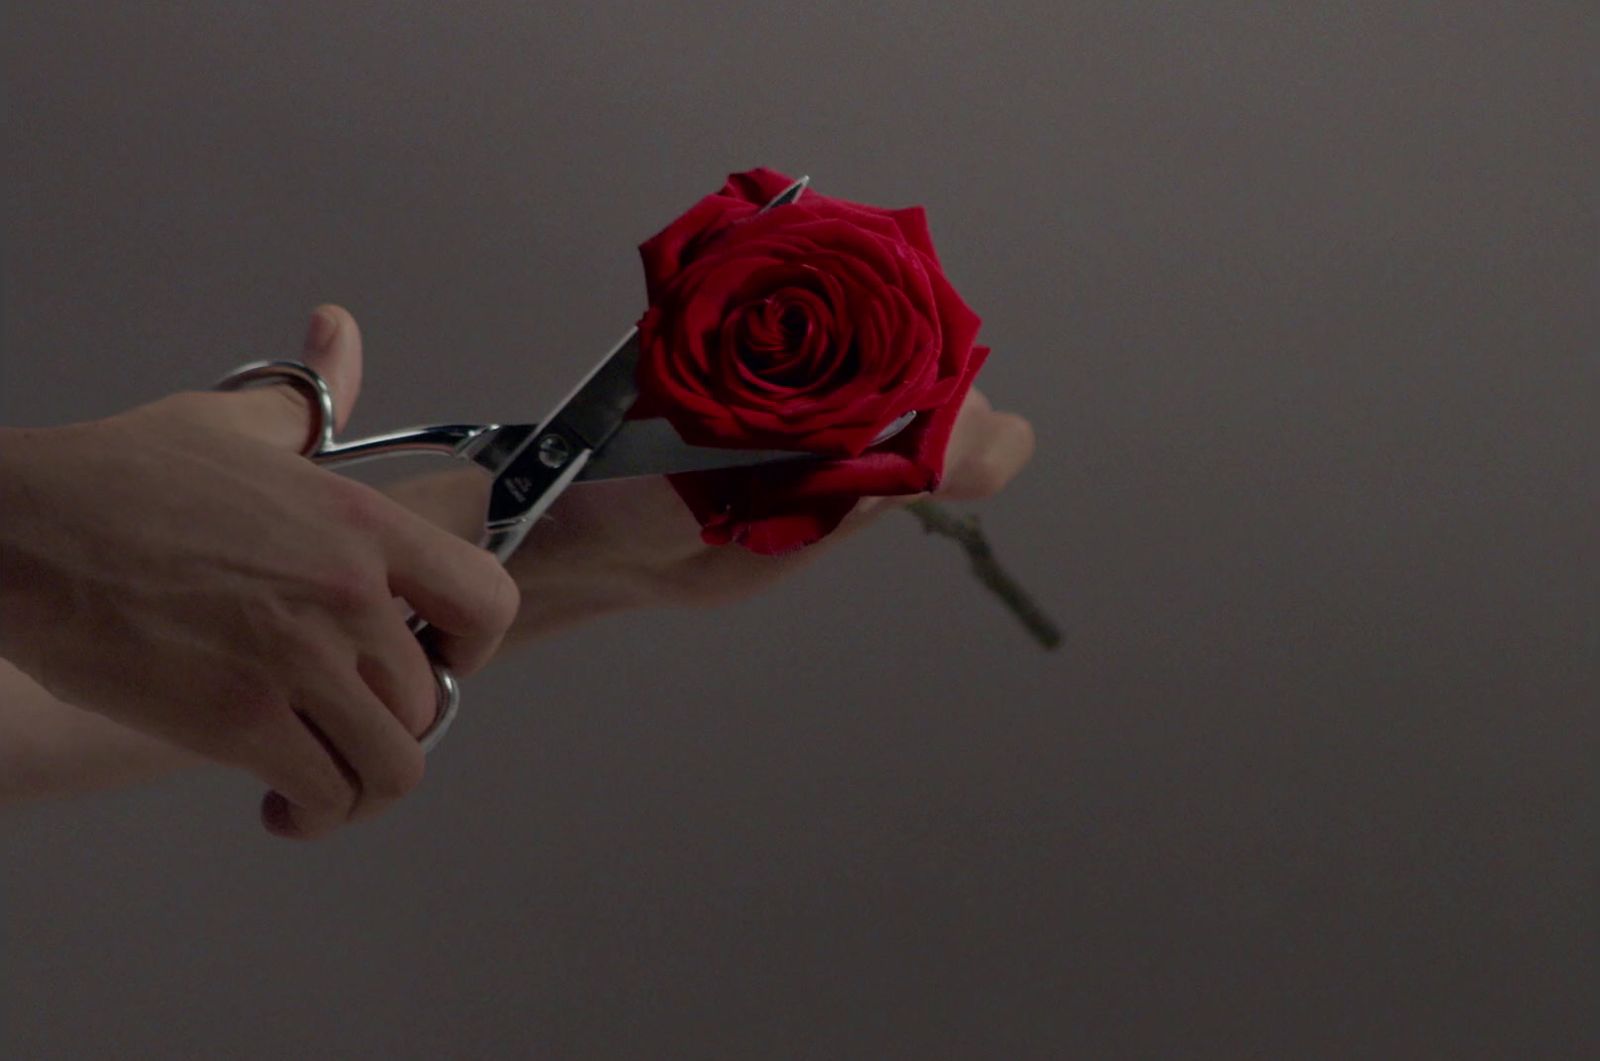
pixel 397 669
pixel 383 755
pixel 312 790
pixel 463 592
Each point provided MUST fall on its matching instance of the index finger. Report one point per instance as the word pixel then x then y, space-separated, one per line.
pixel 462 591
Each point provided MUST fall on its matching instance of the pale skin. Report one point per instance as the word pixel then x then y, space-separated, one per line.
pixel 347 749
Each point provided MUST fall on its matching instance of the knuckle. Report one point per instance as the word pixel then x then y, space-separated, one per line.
pixel 349 589
pixel 963 481
pixel 490 599
pixel 250 707
pixel 359 507
pixel 422 705
pixel 1010 445
pixel 976 401
pixel 296 408
pixel 987 474
pixel 319 797
pixel 184 405
pixel 1023 437
pixel 397 775
pixel 504 600
pixel 329 793
pixel 410 696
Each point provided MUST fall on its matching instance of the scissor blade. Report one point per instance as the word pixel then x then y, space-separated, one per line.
pixel 532 472
pixel 532 467
pixel 788 195
pixel 653 447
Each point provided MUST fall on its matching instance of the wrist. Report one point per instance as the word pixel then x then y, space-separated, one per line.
pixel 46 542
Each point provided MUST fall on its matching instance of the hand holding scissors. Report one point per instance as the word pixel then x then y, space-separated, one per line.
pixel 586 437
pixel 181 570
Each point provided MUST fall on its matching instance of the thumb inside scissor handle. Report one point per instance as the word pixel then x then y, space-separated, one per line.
pixel 303 378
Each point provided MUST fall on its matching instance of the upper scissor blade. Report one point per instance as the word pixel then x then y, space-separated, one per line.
pixel 787 196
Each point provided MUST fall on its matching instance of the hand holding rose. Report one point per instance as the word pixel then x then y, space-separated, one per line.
pixel 631 543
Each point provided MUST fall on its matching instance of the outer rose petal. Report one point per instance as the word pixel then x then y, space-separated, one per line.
pixel 777 509
pixel 667 252
pixel 913 222
pixel 676 245
pixel 773 534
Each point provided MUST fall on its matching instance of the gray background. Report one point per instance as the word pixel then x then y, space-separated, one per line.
pixel 1302 300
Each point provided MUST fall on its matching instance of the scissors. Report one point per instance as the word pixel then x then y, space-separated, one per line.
pixel 585 438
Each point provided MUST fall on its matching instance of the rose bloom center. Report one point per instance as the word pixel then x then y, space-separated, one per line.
pixel 783 340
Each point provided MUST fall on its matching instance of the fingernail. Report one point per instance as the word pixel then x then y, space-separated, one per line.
pixel 319 335
pixel 275 814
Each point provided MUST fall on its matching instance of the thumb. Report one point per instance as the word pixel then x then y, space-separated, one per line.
pixel 333 348
pixel 284 414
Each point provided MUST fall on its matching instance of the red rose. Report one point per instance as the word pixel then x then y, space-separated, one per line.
pixel 811 327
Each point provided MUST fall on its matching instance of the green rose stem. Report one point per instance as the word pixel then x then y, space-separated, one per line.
pixel 936 519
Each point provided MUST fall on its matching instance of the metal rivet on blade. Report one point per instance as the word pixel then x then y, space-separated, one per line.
pixel 554 451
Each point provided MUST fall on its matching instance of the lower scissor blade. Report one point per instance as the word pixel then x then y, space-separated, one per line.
pixel 653 447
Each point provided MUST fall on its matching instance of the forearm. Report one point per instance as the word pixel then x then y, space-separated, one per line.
pixel 50 748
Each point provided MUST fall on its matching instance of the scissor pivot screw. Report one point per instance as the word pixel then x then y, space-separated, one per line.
pixel 554 451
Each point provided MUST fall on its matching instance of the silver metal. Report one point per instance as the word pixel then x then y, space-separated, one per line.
pixel 788 195
pixel 304 378
pixel 505 537
pixel 454 440
pixel 449 705
pixel 554 451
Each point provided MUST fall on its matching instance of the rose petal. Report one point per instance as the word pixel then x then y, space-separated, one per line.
pixel 913 224
pixel 667 252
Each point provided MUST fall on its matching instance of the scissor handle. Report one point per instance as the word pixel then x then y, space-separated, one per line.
pixel 324 450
